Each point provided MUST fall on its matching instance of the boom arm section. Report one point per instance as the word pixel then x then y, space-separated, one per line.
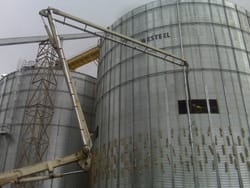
pixel 89 27
pixel 25 174
pixel 84 58
pixel 56 43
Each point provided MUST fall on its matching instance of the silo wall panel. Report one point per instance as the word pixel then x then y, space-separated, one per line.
pixel 63 131
pixel 141 128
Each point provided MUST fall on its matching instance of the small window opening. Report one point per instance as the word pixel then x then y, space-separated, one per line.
pixel 198 106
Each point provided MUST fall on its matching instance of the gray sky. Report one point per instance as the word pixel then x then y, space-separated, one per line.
pixel 20 18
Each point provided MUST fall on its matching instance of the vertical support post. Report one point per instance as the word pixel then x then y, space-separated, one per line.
pixel 39 110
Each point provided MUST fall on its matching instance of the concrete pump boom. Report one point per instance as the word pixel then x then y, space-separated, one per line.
pixel 23 174
pixel 56 43
pixel 89 27
pixel 83 157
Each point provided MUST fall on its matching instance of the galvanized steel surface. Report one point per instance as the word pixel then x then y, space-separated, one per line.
pixel 143 140
pixel 64 134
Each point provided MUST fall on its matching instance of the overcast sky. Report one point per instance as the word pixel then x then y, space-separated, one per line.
pixel 20 18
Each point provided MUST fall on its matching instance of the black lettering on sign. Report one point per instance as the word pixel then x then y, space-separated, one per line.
pixel 155 37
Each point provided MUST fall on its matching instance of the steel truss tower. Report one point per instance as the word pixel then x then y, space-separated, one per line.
pixel 39 110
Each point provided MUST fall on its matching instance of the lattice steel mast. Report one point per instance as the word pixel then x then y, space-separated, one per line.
pixel 39 109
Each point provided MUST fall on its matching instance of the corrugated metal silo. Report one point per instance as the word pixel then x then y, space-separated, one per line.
pixel 63 132
pixel 147 137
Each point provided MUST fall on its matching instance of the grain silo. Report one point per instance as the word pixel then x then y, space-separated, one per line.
pixel 63 131
pixel 148 135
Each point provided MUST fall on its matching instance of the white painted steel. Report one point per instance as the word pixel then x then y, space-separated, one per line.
pixel 37 39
